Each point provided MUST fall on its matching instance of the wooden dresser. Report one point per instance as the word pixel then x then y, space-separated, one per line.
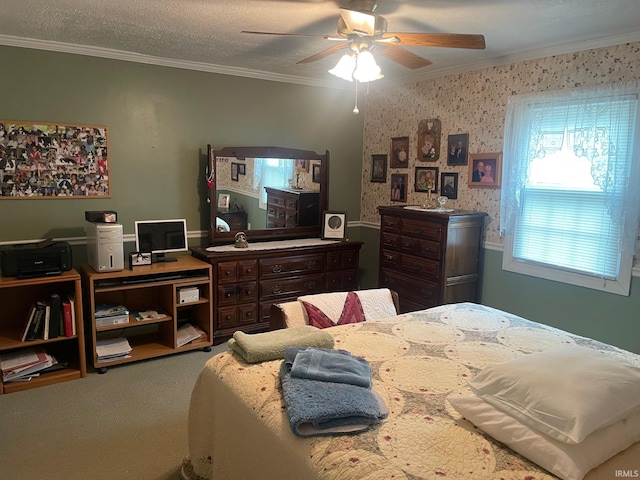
pixel 287 207
pixel 430 258
pixel 237 219
pixel 248 282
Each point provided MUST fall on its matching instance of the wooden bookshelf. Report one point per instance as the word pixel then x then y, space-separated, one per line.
pixel 150 287
pixel 16 297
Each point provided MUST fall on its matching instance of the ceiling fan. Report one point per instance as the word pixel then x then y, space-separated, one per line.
pixel 360 30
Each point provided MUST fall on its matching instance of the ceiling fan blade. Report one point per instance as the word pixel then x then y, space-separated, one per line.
pixel 450 40
pixel 362 23
pixel 324 53
pixel 403 57
pixel 326 37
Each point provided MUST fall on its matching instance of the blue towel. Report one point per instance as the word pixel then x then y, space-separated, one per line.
pixel 328 365
pixel 317 408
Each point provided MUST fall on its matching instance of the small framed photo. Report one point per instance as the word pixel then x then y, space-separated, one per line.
pixel 315 175
pixel 223 200
pixel 429 140
pixel 334 225
pixel 457 149
pixel 379 168
pixel 242 169
pixel 234 172
pixel 400 152
pixel 485 170
pixel 301 165
pixel 427 179
pixel 139 258
pixel 399 187
pixel 449 185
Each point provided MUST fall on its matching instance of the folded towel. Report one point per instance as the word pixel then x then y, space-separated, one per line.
pixel 262 347
pixel 328 366
pixel 317 408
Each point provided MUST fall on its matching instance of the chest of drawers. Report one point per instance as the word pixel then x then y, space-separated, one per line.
pixel 292 208
pixel 430 258
pixel 248 282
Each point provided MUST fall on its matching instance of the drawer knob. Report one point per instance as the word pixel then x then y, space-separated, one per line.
pixel 310 284
pixel 276 289
pixel 227 272
pixel 276 269
pixel 249 314
pixel 228 295
pixel 311 264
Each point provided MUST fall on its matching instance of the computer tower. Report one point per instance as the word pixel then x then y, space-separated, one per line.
pixel 104 246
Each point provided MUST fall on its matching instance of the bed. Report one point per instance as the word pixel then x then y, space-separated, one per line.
pixel 421 362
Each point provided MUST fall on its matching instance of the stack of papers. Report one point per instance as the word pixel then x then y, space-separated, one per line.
pixel 188 333
pixel 23 365
pixel 111 349
pixel 111 315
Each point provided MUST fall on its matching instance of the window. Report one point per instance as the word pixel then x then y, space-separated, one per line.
pixel 271 172
pixel 570 193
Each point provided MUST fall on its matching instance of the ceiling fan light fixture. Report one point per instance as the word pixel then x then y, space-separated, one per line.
pixel 345 67
pixel 367 70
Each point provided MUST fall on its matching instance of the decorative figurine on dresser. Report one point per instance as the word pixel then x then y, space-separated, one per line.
pixel 430 257
pixel 274 262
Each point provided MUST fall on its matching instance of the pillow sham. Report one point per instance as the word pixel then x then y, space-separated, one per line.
pixel 565 393
pixel 567 461
pixel 351 313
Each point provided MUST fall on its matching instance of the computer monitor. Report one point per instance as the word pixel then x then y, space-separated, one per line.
pixel 161 237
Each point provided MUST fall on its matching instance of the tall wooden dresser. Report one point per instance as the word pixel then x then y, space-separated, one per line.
pixel 248 281
pixel 430 258
pixel 287 207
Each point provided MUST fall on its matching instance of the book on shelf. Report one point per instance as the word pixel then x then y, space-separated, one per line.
pixel 72 301
pixel 110 310
pixel 47 318
pixel 67 318
pixel 55 315
pixel 187 333
pixel 22 365
pixel 110 349
pixel 32 313
pixel 37 324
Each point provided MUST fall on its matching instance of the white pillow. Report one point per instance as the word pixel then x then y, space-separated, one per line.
pixel 565 393
pixel 294 314
pixel 570 462
pixel 376 303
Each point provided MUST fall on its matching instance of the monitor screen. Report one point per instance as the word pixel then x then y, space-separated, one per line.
pixel 161 236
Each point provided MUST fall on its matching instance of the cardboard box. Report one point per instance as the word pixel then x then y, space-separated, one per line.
pixel 188 294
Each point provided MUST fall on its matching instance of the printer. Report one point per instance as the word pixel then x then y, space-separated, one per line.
pixel 35 259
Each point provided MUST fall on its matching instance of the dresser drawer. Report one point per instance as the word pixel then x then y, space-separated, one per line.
pixel 391 224
pixel 425 230
pixel 231 272
pixel 424 293
pixel 342 280
pixel 418 267
pixel 285 266
pixel 342 260
pixel 390 240
pixel 230 294
pixel 232 317
pixel 420 247
pixel 291 286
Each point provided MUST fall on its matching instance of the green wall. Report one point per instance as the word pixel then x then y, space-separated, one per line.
pixel 159 121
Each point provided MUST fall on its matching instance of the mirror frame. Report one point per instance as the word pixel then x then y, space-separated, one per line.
pixel 216 237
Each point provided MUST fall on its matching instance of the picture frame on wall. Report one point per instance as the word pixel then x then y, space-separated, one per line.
pixel 426 179
pixel 379 168
pixel 53 160
pixel 399 187
pixel 485 170
pixel 334 225
pixel 449 185
pixel 301 165
pixel 242 169
pixel 429 140
pixel 400 152
pixel 458 149
pixel 234 172
pixel 315 175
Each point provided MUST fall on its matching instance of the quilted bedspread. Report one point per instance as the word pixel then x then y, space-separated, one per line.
pixel 238 426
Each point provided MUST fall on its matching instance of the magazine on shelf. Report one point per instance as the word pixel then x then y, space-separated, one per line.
pixel 188 333
pixel 110 349
pixel 25 364
pixel 110 311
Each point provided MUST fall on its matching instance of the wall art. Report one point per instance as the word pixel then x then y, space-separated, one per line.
pixel 457 149
pixel 485 170
pixel 429 140
pixel 399 187
pixel 400 152
pixel 334 225
pixel 427 179
pixel 449 185
pixel 379 168
pixel 47 160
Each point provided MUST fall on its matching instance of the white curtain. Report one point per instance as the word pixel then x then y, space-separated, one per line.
pixel 598 128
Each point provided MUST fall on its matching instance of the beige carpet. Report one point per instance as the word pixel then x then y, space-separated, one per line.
pixel 130 423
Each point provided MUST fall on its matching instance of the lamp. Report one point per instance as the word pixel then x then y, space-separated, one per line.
pixel 359 65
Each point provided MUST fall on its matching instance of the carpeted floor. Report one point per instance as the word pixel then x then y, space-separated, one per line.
pixel 130 423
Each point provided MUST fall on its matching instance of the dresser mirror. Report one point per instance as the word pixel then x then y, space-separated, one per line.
pixel 297 184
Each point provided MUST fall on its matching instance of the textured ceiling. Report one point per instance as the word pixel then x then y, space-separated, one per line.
pixel 205 34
